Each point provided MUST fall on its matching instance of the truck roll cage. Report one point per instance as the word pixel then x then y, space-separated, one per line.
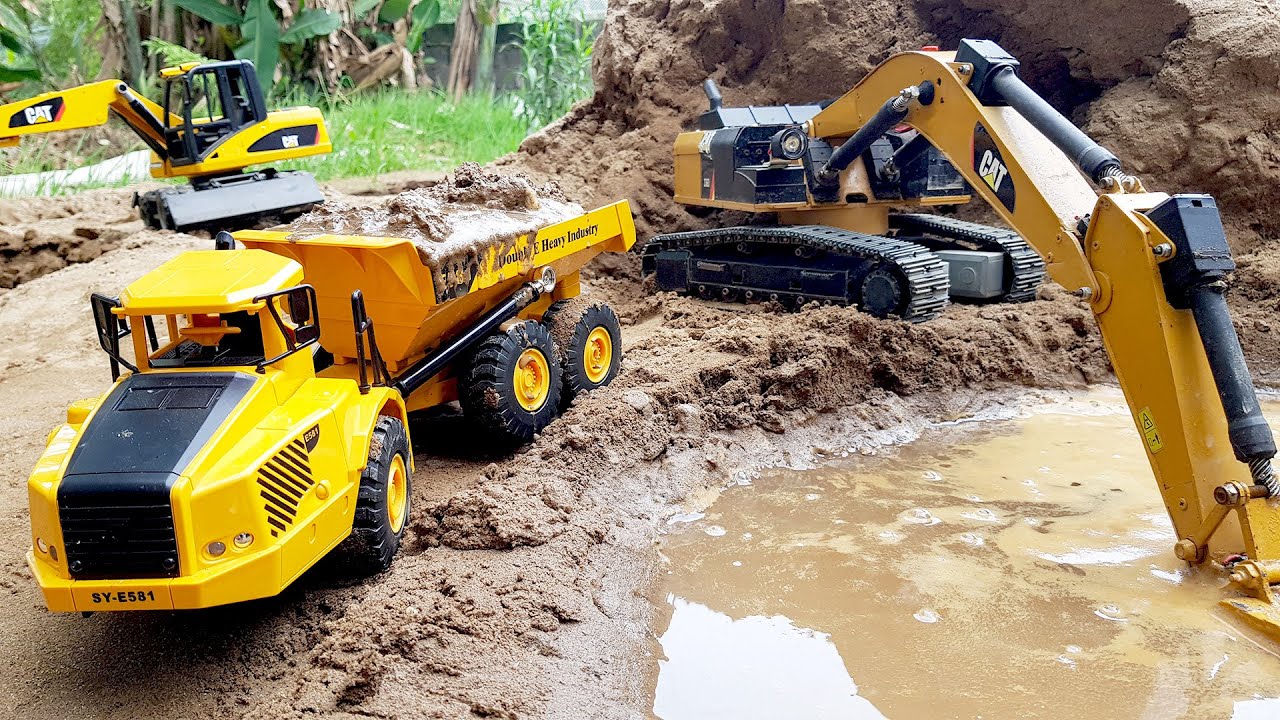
pixel 303 312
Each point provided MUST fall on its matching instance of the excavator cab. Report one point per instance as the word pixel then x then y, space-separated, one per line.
pixel 205 104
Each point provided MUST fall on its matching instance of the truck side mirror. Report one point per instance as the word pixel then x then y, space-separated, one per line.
pixel 300 307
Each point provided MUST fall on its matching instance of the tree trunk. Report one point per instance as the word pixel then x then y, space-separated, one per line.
pixel 462 55
pixel 135 68
pixel 168 21
pixel 153 62
pixel 484 55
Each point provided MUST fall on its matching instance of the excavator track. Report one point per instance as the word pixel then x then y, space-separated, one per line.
pixel 797 264
pixel 1024 269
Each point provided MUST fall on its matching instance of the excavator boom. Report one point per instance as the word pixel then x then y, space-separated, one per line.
pixel 82 107
pixel 1152 267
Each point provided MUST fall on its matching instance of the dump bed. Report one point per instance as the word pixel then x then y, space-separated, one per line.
pixel 414 305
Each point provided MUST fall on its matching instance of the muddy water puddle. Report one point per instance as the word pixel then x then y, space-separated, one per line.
pixel 1013 569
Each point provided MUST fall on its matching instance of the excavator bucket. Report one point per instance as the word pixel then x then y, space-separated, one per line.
pixel 1256 607
pixel 1260 615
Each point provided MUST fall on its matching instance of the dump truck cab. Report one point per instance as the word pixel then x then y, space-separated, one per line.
pixel 218 467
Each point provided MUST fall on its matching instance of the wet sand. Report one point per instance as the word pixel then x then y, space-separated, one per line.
pixel 1008 569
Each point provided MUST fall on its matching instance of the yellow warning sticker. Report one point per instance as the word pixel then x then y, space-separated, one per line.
pixel 1147 423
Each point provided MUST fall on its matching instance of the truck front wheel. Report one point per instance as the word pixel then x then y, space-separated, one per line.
pixel 382 506
pixel 511 385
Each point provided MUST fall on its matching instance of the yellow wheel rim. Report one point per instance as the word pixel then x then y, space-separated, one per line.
pixel 532 379
pixel 397 494
pixel 597 356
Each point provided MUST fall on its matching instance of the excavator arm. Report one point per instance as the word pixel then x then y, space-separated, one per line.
pixel 82 107
pixel 1152 267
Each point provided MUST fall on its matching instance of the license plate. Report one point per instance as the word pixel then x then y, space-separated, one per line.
pixel 106 598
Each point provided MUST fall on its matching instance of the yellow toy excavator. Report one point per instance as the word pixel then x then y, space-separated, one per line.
pixel 212 125
pixel 1151 266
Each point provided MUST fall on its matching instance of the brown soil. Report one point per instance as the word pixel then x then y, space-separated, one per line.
pixel 453 222
pixel 517 591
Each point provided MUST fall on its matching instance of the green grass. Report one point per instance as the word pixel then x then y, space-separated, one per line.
pixel 372 134
pixel 386 131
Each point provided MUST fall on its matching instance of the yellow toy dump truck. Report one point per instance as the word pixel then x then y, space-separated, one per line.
pixel 262 421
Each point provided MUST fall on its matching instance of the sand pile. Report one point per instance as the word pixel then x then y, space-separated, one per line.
pixel 453 223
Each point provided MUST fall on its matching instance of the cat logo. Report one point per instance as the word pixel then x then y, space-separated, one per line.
pixel 991 167
pixel 289 141
pixel 38 114
pixel 992 170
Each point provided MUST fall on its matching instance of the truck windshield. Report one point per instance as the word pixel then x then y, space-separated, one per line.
pixel 200 340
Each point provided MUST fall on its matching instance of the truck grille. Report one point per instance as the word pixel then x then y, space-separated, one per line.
pixel 284 480
pixel 105 542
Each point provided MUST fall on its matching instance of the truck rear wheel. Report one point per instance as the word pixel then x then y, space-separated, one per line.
pixel 590 344
pixel 382 505
pixel 511 386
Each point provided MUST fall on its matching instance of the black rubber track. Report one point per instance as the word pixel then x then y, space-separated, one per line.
pixel 1027 266
pixel 487 392
pixel 372 544
pixel 924 274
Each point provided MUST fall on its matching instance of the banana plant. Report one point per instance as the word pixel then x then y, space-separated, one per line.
pixel 260 31
pixel 21 42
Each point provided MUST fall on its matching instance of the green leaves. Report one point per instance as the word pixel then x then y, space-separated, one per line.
pixel 9 40
pixel 556 48
pixel 24 39
pixel 261 32
pixel 17 74
pixel 212 10
pixel 393 10
pixel 362 8
pixel 311 23
pixel 425 14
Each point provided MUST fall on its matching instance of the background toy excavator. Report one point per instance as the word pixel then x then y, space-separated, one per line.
pixel 213 124
pixel 1151 266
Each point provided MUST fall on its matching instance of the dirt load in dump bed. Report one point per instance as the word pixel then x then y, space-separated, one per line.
pixel 452 222
pixel 519 591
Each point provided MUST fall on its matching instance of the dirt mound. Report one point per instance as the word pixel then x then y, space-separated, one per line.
pixel 1184 91
pixel 454 222
pixel 38 236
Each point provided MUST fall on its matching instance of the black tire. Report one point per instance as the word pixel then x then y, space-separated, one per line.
pixel 374 540
pixel 572 329
pixel 488 393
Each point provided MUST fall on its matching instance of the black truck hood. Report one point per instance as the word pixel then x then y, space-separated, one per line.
pixel 148 429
